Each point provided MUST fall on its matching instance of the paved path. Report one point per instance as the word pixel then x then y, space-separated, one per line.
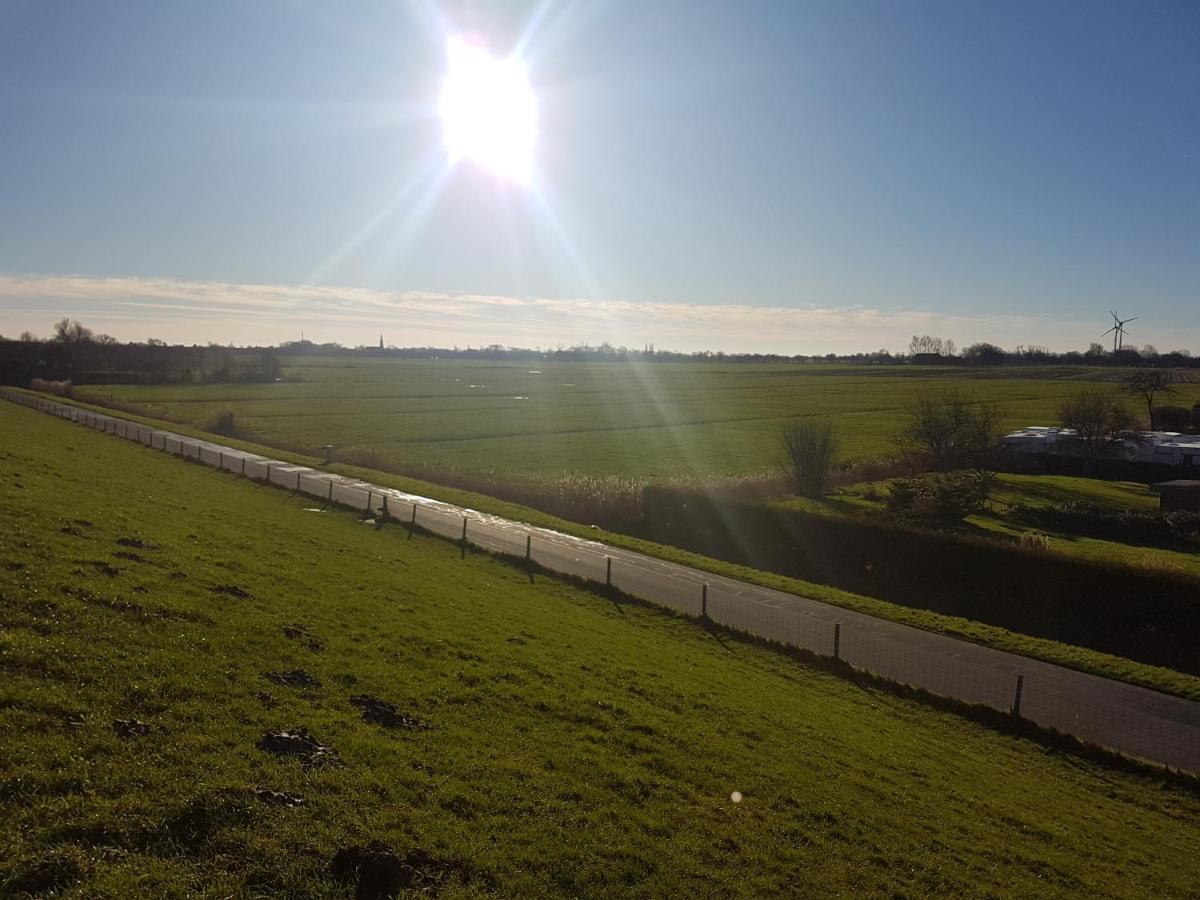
pixel 1132 720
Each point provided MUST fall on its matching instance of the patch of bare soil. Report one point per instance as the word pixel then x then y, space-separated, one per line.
pixel 296 678
pixel 380 712
pixel 378 872
pixel 130 728
pixel 136 543
pixel 300 744
pixel 300 633
pixel 278 798
pixel 231 590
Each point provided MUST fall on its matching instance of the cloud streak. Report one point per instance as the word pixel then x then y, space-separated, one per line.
pixel 134 308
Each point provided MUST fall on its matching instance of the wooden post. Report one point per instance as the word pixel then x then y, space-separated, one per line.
pixel 243 467
pixel 704 600
pixel 413 521
pixel 608 571
pixel 220 459
pixel 384 512
pixel 528 547
pixel 330 491
pixel 268 473
pixel 837 640
pixel 464 534
pixel 1016 707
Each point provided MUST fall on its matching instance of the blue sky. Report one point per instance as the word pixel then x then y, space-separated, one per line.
pixel 796 177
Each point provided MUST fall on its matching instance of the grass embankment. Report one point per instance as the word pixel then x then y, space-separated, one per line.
pixel 575 746
pixel 1083 659
pixel 640 421
pixel 1040 491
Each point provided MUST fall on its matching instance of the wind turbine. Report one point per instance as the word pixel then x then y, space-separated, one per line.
pixel 1118 329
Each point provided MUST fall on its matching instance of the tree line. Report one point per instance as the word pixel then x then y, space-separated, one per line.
pixel 77 355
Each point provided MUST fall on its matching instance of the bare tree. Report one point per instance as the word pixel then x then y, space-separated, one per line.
pixel 67 331
pixel 28 337
pixel 1099 419
pixel 809 447
pixel 1150 383
pixel 925 343
pixel 952 429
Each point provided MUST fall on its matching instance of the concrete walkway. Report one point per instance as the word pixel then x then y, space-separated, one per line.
pixel 1132 720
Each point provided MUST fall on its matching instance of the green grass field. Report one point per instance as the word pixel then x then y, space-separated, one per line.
pixel 576 746
pixel 1082 658
pixel 538 419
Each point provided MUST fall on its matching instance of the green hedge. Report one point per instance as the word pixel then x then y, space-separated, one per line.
pixel 1151 617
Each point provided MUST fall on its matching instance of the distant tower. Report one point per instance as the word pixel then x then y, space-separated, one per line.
pixel 381 342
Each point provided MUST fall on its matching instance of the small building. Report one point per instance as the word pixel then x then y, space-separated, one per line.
pixel 1182 494
pixel 1178 450
pixel 1035 439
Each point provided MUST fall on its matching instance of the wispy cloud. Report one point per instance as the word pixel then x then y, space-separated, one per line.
pixel 201 311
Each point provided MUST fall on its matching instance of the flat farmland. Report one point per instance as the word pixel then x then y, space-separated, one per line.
pixel 660 420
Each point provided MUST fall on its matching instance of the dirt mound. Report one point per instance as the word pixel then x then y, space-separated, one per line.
pixel 296 678
pixel 128 728
pixel 136 543
pixel 379 872
pixel 231 590
pixel 380 712
pixel 298 632
pixel 278 798
pixel 302 745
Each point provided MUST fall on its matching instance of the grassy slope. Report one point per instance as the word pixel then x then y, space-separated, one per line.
pixel 644 421
pixel 1080 658
pixel 577 747
pixel 1037 490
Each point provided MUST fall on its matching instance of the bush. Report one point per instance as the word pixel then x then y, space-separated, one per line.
pixel 1172 418
pixel 808 448
pixel 223 423
pixel 1125 525
pixel 940 499
pixel 1034 540
pixel 951 429
pixel 57 388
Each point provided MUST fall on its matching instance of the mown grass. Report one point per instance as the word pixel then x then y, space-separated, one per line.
pixel 576 746
pixel 1081 658
pixel 658 421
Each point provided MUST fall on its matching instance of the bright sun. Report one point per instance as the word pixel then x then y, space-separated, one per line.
pixel 488 111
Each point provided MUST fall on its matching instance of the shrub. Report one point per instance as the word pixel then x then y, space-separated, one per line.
pixel 808 448
pixel 223 423
pixel 1172 418
pixel 951 429
pixel 57 388
pixel 1126 525
pixel 1034 540
pixel 940 499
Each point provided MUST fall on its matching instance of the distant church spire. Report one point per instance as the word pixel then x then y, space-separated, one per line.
pixel 381 342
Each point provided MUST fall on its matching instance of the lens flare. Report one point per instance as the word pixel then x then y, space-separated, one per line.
pixel 489 113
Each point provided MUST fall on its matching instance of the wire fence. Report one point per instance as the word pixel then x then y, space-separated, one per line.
pixel 1128 719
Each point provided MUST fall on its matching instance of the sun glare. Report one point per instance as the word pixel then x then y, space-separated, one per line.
pixel 488 111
